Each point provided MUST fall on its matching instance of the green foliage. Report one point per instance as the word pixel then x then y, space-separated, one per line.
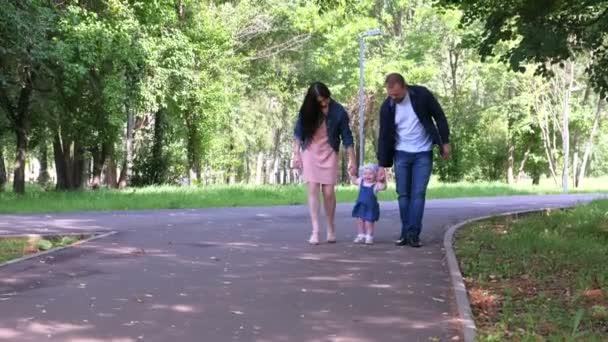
pixel 550 31
pixel 225 79
pixel 44 245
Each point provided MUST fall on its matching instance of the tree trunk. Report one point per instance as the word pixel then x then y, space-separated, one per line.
pixel 69 163
pixel 60 164
pixel 44 177
pixel 158 161
pixel 284 173
pixel 397 14
pixel 510 164
pixel 522 165
pixel 111 173
pixel 19 176
pixel 197 173
pixel 276 177
pixel 510 142
pixel 277 170
pixel 576 158
pixel 589 144
pixel 99 159
pixel 3 178
pixel 575 169
pixel 269 173
pixel 453 59
pixel 78 168
pixel 20 119
pixel 247 168
pixel 566 128
pixel 545 137
pixel 536 179
pixel 193 146
pixel 259 169
pixel 125 173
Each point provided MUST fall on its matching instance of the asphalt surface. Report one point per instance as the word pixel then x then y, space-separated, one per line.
pixel 243 274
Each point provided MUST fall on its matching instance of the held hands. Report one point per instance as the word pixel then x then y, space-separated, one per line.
pixel 296 161
pixel 446 151
pixel 381 175
pixel 352 168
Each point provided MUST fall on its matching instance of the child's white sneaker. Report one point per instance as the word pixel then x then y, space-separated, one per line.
pixel 360 238
pixel 369 240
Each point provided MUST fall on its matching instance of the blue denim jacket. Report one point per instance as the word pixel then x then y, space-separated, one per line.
pixel 338 127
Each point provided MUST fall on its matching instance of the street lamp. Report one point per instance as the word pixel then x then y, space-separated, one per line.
pixel 367 33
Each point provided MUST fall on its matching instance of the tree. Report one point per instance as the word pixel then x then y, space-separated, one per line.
pixel 99 64
pixel 542 32
pixel 25 27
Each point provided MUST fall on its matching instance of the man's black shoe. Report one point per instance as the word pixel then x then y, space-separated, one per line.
pixel 402 242
pixel 415 242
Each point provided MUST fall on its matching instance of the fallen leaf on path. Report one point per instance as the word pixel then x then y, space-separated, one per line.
pixel 594 295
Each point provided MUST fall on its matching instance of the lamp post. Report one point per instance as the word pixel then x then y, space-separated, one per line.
pixel 367 33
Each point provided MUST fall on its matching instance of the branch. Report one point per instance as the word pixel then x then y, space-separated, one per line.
pixel 258 25
pixel 290 45
pixel 595 20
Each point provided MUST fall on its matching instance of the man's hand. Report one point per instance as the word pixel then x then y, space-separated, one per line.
pixel 446 151
pixel 381 174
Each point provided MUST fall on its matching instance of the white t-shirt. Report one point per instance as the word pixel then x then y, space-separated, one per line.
pixel 411 135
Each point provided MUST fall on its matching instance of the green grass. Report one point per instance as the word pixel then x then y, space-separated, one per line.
pixel 542 277
pixel 171 197
pixel 13 248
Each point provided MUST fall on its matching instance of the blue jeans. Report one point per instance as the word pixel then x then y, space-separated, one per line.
pixel 412 173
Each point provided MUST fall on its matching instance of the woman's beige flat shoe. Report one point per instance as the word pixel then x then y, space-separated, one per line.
pixel 314 239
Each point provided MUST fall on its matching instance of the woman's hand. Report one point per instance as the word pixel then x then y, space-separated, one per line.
pixel 352 167
pixel 296 161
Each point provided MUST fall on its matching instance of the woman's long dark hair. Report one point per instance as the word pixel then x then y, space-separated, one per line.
pixel 311 109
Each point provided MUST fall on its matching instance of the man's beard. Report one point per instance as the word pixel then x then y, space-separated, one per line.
pixel 398 99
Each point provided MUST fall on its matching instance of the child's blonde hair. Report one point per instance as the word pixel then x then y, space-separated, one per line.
pixel 370 167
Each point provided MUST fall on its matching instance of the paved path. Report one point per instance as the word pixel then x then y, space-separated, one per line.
pixel 237 275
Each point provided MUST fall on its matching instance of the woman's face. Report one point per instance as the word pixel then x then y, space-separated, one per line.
pixel 323 101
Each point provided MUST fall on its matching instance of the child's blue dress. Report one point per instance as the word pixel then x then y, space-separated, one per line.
pixel 367 207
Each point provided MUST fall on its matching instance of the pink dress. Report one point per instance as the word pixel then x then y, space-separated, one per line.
pixel 319 160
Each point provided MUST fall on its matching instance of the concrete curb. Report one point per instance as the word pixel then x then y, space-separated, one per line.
pixel 465 315
pixel 40 254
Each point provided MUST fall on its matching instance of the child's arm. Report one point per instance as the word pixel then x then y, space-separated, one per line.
pixel 380 185
pixel 355 180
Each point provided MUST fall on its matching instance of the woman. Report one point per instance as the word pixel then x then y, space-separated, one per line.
pixel 322 123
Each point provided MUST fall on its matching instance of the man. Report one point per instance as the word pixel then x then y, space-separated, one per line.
pixel 411 122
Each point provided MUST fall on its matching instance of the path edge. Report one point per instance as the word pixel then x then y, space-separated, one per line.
pixel 465 314
pixel 54 250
